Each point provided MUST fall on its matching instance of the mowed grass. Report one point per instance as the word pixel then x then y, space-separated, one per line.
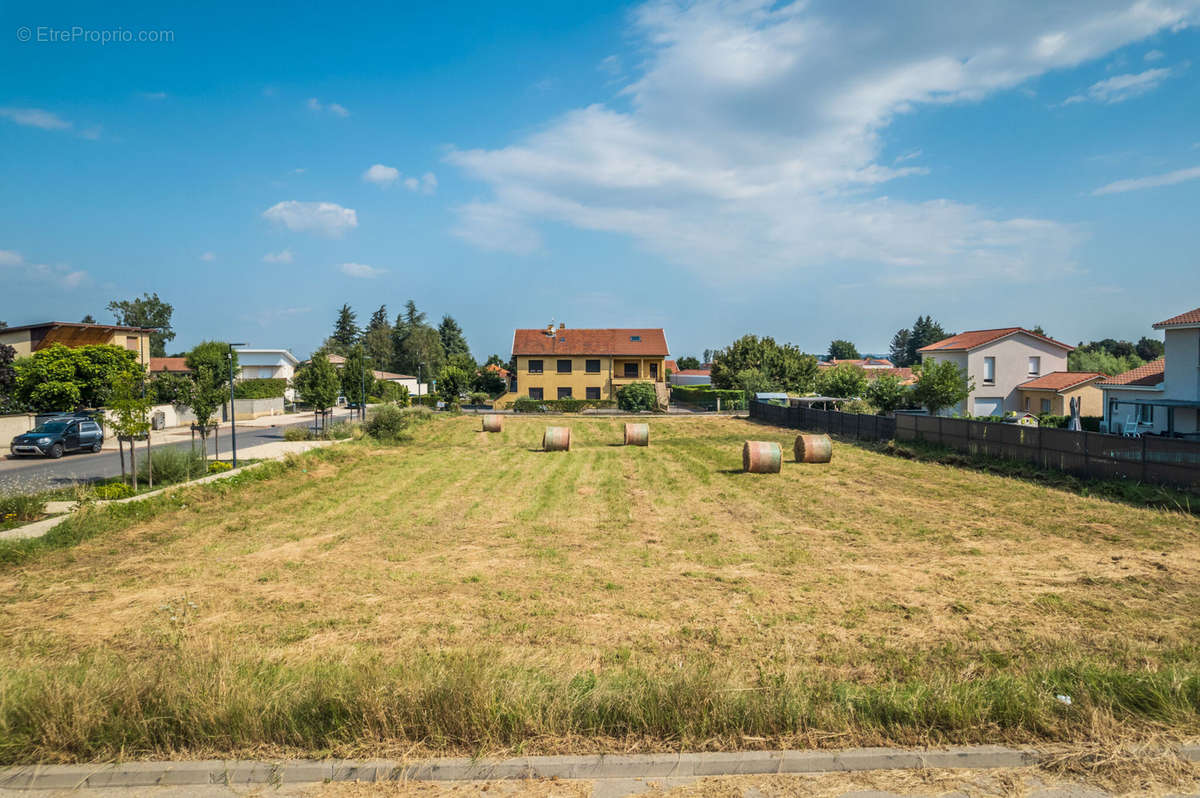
pixel 467 593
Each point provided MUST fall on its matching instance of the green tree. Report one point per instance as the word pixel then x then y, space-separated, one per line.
pixel 898 353
pixel 421 351
pixel 489 381
pixel 345 332
pixel 887 392
pixel 464 361
pixel 204 393
pixel 708 356
pixel 60 378
pixel 687 362
pixel 494 360
pixel 378 339
pixel 844 380
pixel 452 383
pixel 784 366
pixel 215 355
pixel 1037 330
pixel 925 331
pixel 941 385
pixel 636 397
pixel 318 383
pixel 130 406
pixel 1148 348
pixel 151 312
pixel 841 349
pixel 453 340
pixel 752 381
pixel 9 403
pixel 1099 360
pixel 167 388
pixel 357 374
pixel 89 319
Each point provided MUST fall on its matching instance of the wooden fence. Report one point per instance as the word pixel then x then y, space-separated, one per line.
pixel 1168 461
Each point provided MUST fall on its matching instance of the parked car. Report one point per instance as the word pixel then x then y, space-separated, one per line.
pixel 57 436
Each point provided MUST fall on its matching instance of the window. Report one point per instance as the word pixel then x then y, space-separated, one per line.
pixel 90 426
pixel 564 367
pixel 1045 405
pixel 635 338
pixel 989 370
pixel 654 371
pixel 631 369
pixel 535 393
pixel 1035 366
pixel 1145 414
pixel 593 393
pixel 535 367
pixel 131 343
pixel 564 393
pixel 592 366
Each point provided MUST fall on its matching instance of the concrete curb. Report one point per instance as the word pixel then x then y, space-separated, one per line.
pixel 637 766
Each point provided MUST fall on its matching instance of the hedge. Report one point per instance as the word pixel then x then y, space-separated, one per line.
pixel 527 405
pixel 268 388
pixel 705 394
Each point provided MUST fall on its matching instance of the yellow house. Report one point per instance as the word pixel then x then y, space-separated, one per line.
pixel 29 338
pixel 557 363
pixel 1052 393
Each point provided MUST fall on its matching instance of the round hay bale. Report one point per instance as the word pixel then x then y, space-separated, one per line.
pixel 762 457
pixel 493 423
pixel 637 434
pixel 813 449
pixel 557 439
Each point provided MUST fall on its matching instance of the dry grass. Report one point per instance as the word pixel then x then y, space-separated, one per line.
pixel 868 571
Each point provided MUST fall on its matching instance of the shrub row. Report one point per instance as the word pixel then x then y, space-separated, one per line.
pixel 268 388
pixel 705 394
pixel 527 405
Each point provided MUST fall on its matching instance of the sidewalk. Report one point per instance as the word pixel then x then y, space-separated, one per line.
pixel 184 433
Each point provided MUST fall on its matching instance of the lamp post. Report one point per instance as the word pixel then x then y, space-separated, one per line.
pixel 362 383
pixel 232 411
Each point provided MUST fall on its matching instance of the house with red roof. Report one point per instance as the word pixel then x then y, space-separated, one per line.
pixel 562 363
pixel 1052 393
pixel 998 361
pixel 1161 397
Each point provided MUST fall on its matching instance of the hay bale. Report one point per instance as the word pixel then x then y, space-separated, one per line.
pixel 557 439
pixel 637 434
pixel 762 457
pixel 493 423
pixel 813 449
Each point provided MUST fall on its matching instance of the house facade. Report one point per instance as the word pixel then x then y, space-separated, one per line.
pixel 30 338
pixel 1161 397
pixel 999 361
pixel 586 363
pixel 1053 393
pixel 266 364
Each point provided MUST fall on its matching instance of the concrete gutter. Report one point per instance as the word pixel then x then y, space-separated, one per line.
pixel 637 766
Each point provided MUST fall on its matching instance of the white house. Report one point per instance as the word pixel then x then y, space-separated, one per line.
pixel 407 380
pixel 998 361
pixel 262 364
pixel 699 376
pixel 1162 397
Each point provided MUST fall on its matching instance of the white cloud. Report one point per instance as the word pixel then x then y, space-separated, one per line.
pixel 325 218
pixel 58 274
pixel 152 95
pixel 91 133
pixel 1155 55
pixel 313 104
pixel 35 117
pixel 208 257
pixel 361 270
pixel 381 175
pixel 751 138
pixel 284 256
pixel 1120 88
pixel 1154 181
pixel 426 184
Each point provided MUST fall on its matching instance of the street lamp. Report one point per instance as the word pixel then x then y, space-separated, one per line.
pixel 232 410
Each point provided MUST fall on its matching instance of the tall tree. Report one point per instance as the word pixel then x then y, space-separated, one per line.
pixel 780 367
pixel 421 353
pixel 88 319
pixel 941 385
pixel 1149 348
pixel 357 374
pixel 453 340
pixel 151 312
pixel 841 349
pixel 898 353
pixel 687 362
pixel 378 339
pixel 345 332
pixel 318 383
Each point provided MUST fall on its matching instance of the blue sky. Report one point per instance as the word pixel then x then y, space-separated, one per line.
pixel 711 168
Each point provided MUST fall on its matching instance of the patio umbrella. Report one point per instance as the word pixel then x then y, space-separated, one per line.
pixel 1075 424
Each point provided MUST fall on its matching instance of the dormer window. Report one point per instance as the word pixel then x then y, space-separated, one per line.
pixel 635 338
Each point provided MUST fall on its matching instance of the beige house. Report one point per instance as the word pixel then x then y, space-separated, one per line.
pixel 30 338
pixel 998 361
pixel 1053 393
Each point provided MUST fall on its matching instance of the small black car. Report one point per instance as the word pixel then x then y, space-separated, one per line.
pixel 57 436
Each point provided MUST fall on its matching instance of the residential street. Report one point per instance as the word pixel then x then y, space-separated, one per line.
pixel 29 474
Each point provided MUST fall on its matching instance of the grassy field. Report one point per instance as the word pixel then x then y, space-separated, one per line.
pixel 465 592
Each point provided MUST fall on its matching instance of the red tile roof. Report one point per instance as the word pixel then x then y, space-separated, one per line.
pixel 176 364
pixel 905 374
pixel 672 365
pixel 1060 380
pixel 874 362
pixel 1182 320
pixel 503 372
pixel 695 372
pixel 1146 375
pixel 649 342
pixel 973 338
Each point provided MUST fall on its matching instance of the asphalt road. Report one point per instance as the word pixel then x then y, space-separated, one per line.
pixel 31 474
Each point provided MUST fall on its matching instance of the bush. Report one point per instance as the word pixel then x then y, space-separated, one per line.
pixel 259 388
pixel 173 464
pixel 636 397
pixel 344 430
pixel 527 405
pixel 707 396
pixel 480 398
pixel 113 490
pixel 297 434
pixel 391 423
pixel 21 508
pixel 426 400
pixel 219 467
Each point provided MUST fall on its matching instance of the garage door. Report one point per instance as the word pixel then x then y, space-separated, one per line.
pixel 989 406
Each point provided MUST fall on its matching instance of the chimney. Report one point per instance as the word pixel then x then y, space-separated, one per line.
pixel 550 328
pixel 562 326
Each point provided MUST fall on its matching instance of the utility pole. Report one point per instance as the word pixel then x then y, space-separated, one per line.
pixel 232 411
